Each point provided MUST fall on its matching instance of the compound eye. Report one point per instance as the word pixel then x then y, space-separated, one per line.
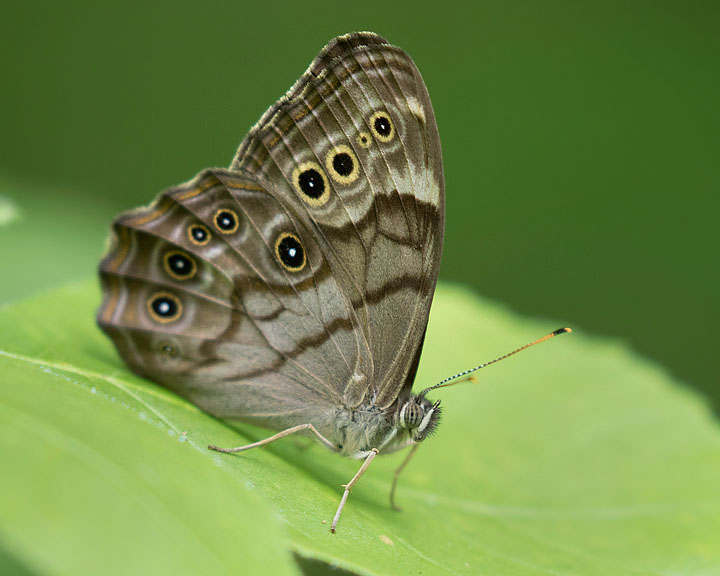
pixel 411 415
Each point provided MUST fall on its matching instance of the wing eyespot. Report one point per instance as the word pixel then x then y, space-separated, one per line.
pixel 199 234
pixel 167 350
pixel 342 164
pixel 226 221
pixel 164 307
pixel 311 183
pixel 363 140
pixel 290 252
pixel 382 126
pixel 179 265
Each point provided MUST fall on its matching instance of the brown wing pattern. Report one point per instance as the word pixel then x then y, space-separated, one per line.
pixel 384 228
pixel 252 340
pixel 299 281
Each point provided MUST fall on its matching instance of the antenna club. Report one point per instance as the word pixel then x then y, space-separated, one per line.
pixel 452 380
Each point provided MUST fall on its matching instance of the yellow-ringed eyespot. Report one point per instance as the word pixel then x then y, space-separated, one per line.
pixel 199 234
pixel 179 265
pixel 363 140
pixel 342 164
pixel 382 126
pixel 164 307
pixel 290 252
pixel 311 183
pixel 226 221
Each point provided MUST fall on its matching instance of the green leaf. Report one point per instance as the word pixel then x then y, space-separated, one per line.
pixel 575 457
pixel 99 475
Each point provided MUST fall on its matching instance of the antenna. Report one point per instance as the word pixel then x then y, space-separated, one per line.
pixel 449 381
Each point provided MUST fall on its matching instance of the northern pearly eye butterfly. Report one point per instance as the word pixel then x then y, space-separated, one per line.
pixel 293 289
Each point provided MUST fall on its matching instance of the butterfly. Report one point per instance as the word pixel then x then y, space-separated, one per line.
pixel 293 289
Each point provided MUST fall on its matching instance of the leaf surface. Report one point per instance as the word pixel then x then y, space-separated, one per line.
pixel 576 457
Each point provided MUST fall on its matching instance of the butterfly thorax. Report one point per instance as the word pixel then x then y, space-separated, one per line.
pixel 359 430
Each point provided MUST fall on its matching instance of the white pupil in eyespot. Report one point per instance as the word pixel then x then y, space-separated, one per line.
pixel 163 307
pixel 292 252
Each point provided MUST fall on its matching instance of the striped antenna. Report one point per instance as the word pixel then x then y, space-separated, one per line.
pixel 449 381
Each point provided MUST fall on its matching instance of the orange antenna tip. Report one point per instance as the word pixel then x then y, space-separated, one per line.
pixel 452 380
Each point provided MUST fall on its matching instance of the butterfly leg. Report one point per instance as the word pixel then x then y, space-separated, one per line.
pixel 369 458
pixel 277 436
pixel 397 475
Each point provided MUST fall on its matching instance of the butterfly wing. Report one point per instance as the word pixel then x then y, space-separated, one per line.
pixel 299 281
pixel 219 292
pixel 354 146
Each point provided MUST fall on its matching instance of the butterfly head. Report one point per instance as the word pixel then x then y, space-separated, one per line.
pixel 419 416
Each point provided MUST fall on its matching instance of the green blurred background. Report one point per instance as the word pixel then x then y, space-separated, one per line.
pixel 581 142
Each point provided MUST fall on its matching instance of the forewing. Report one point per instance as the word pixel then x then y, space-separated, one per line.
pixel 354 148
